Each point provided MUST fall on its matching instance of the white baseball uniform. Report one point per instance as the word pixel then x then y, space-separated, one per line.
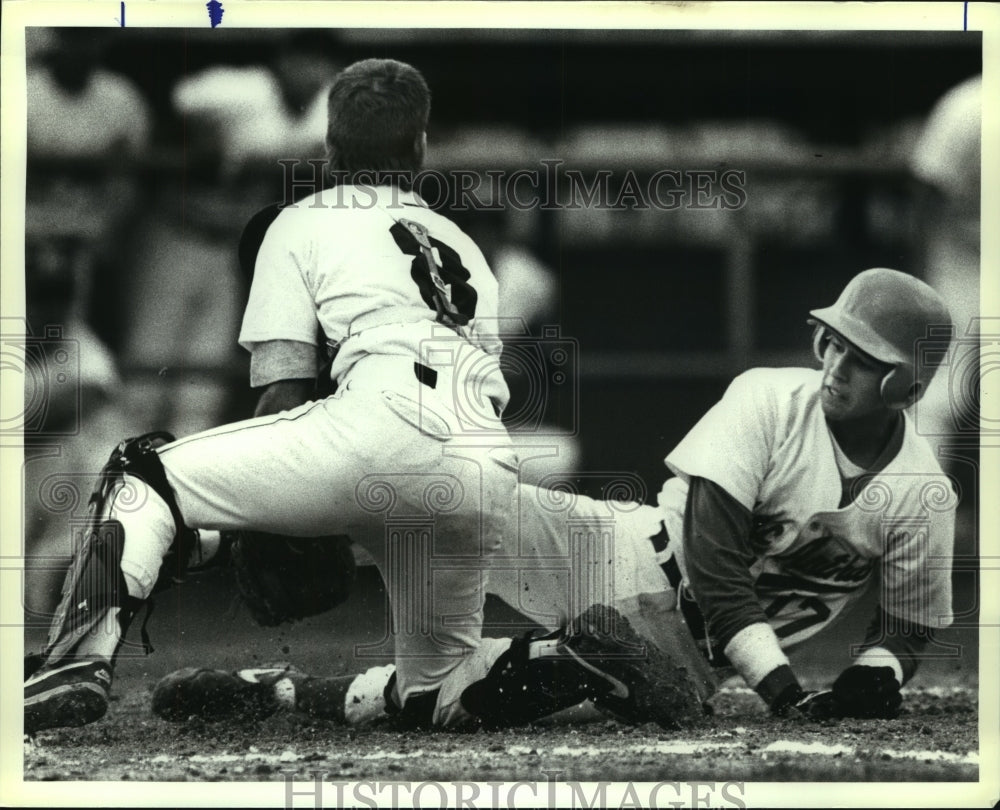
pixel 767 444
pixel 408 457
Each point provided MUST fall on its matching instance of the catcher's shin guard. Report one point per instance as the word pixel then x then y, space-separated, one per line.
pixel 599 657
pixel 95 584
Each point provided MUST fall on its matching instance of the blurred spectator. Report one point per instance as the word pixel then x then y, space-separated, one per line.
pixel 186 292
pixel 76 108
pixel 184 297
pixel 261 113
pixel 528 287
pixel 83 122
pixel 947 161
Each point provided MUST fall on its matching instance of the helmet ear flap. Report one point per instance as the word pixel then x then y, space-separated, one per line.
pixel 821 338
pixel 899 388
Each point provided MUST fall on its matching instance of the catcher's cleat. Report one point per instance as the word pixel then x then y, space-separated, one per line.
pixel 598 657
pixel 72 694
pixel 214 694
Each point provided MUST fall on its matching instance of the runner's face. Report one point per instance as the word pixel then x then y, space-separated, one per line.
pixel 852 381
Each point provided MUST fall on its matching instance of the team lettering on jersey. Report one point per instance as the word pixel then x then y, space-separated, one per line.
pixel 768 529
pixel 819 555
pixel 829 559
pixel 807 585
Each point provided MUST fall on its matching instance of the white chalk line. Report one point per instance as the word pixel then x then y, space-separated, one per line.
pixel 933 691
pixel 663 747
pixel 839 750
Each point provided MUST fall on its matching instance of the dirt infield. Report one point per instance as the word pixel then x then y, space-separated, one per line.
pixel 934 740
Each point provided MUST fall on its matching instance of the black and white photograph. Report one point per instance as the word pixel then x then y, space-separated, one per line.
pixel 499 404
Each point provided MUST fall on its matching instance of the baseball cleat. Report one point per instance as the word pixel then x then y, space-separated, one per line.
pixel 632 678
pixel 73 694
pixel 215 694
pixel 599 657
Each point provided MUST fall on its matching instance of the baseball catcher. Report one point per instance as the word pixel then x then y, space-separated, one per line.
pixel 412 305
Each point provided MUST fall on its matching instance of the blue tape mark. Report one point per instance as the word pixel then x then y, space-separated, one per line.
pixel 965 16
pixel 215 12
pixel 123 14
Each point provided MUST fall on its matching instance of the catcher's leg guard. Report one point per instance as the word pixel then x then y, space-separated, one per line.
pixel 95 584
pixel 599 657
pixel 68 685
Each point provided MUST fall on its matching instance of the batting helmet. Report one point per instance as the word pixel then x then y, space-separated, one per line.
pixel 885 313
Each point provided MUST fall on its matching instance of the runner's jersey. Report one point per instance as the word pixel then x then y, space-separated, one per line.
pixel 767 443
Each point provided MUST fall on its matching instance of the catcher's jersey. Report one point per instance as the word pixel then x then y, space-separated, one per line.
pixel 344 260
pixel 767 443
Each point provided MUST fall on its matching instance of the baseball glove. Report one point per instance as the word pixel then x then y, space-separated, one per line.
pixel 284 579
pixel 865 691
pixel 860 691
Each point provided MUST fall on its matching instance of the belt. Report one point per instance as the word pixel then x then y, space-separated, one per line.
pixel 425 375
pixel 324 385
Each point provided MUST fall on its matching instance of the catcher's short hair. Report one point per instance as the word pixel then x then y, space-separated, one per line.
pixel 376 116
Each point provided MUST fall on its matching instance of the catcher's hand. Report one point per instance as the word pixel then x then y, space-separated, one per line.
pixel 283 579
pixel 860 691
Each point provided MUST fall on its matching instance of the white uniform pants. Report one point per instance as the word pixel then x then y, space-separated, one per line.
pixel 440 513
pixel 429 505
pixel 570 551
